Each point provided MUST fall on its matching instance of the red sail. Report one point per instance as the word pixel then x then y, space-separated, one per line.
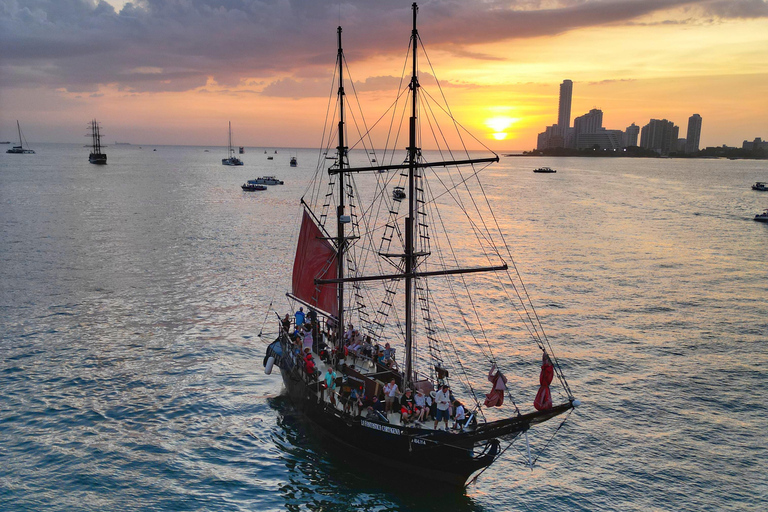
pixel 315 259
pixel 543 399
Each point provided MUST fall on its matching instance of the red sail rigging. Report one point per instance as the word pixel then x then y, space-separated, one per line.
pixel 315 259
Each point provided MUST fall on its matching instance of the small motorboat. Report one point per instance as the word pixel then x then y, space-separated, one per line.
pixel 762 217
pixel 544 170
pixel 251 186
pixel 760 185
pixel 398 194
pixel 294 163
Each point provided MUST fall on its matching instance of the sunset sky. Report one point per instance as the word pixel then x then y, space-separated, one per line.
pixel 175 71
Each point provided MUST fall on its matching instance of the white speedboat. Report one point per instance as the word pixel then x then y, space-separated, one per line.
pixel 267 180
pixel 760 185
pixel 762 217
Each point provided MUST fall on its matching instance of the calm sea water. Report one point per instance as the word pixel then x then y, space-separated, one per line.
pixel 132 297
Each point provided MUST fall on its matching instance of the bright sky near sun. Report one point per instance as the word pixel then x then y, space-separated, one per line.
pixel 176 71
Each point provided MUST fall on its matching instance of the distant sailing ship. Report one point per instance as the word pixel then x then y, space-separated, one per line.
pixel 231 158
pixel 366 270
pixel 20 149
pixel 97 156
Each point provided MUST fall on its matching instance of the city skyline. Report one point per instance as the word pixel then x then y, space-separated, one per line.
pixel 588 132
pixel 175 72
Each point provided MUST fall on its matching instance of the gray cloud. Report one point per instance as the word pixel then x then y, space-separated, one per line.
pixel 80 44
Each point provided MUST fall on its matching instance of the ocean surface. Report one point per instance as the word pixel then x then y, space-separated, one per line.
pixel 132 297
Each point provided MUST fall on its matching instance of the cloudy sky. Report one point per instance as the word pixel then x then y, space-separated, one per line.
pixel 175 71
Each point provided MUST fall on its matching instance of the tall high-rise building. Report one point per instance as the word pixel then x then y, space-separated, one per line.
pixel 564 108
pixel 591 122
pixel 630 135
pixel 659 135
pixel 694 133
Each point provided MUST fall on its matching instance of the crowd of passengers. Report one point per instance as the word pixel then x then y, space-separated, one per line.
pixel 414 408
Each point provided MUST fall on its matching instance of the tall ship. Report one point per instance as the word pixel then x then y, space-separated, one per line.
pixel 389 357
pixel 97 155
pixel 231 158
pixel 20 149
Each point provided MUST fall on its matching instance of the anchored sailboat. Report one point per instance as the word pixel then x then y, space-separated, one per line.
pixel 20 149
pixel 364 269
pixel 231 159
pixel 96 156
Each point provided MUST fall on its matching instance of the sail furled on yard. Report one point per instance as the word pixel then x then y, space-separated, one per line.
pixel 543 400
pixel 315 259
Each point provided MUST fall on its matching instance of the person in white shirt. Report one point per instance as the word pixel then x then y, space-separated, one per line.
pixel 443 401
pixel 390 394
pixel 459 415
pixel 422 409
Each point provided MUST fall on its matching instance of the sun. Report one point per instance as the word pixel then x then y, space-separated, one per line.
pixel 500 125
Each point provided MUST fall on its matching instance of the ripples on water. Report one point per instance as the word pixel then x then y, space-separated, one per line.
pixel 132 296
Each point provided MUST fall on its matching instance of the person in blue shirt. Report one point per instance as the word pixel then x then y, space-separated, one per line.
pixel 299 315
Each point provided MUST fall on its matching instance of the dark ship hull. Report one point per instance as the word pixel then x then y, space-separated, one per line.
pixel 97 158
pixel 449 457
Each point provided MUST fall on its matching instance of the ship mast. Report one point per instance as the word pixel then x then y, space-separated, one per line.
pixel 410 259
pixel 340 241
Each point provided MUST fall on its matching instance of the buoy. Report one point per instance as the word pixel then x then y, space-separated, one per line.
pixel 269 365
pixel 576 402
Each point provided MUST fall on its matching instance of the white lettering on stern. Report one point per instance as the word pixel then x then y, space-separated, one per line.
pixel 382 428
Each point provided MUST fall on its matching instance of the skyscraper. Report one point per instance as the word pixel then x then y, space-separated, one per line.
pixel 630 135
pixel 591 122
pixel 694 133
pixel 564 108
pixel 659 135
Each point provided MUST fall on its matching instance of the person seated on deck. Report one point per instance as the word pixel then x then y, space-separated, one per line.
pixel 375 409
pixel 407 407
pixel 422 409
pixel 348 333
pixel 459 415
pixel 366 349
pixel 309 363
pixel 355 345
pixel 389 356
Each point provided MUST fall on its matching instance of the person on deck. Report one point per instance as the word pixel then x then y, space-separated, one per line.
pixel 407 407
pixel 390 393
pixel 299 317
pixel 422 409
pixel 443 401
pixel 309 363
pixel 286 321
pixel 330 384
pixel 459 415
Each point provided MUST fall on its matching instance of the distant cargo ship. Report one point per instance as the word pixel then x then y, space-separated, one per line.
pixel 122 143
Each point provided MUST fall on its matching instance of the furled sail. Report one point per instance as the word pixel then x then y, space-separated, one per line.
pixel 543 400
pixel 315 259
